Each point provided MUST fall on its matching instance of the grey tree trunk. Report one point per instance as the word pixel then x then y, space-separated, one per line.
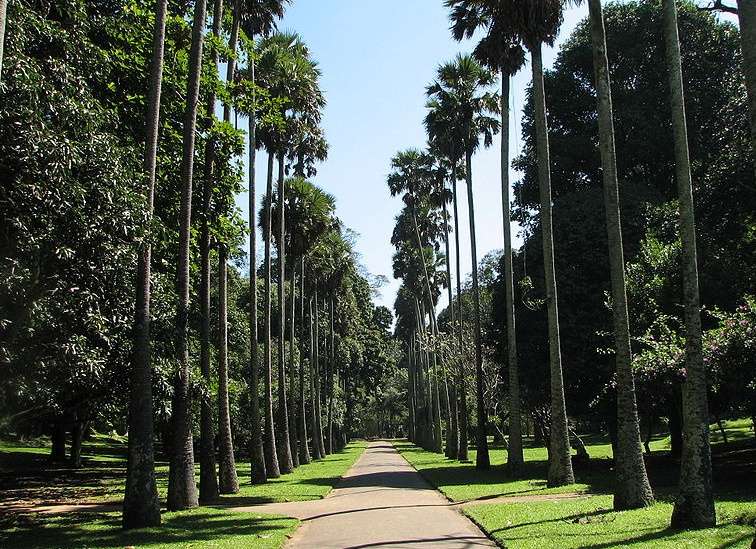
pixel 631 489
pixel 463 420
pixel 208 488
pixel 304 450
pixel 285 461
pixel 452 435
pixel 232 42
pixel 257 455
pixel 269 442
pixel 747 20
pixel 293 442
pixel 694 507
pixel 560 463
pixel 141 507
pixel 515 459
pixel 482 460
pixel 330 377
pixel 182 489
pixel 318 431
pixel 229 483
pixel 316 453
pixel 3 12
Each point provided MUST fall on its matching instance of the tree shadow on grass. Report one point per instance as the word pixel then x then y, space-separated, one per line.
pixel 87 530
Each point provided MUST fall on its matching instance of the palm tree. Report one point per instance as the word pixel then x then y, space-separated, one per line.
pixel 462 84
pixel 694 507
pixel 258 17
pixel 228 480
pixel 141 507
pixel 309 215
pixel 182 490
pixel 3 10
pixel 535 23
pixel 499 51
pixel 288 73
pixel 632 489
pixel 410 176
pixel 208 490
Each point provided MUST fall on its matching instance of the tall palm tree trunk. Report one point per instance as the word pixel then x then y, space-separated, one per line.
pixel 229 483
pixel 632 489
pixel 257 454
pixel 293 442
pixel 285 461
pixel 694 507
pixel 463 419
pixel 316 453
pixel 318 432
pixel 747 23
pixel 232 43
pixel 515 459
pixel 3 14
pixel 208 488
pixel 452 434
pixel 560 462
pixel 141 507
pixel 329 378
pixel 182 490
pixel 482 460
pixel 304 449
pixel 410 395
pixel 269 444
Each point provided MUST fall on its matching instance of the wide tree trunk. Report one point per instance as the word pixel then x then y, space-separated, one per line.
pixel 58 450
pixel 78 431
pixel 560 464
pixel 229 483
pixel 304 449
pixel 182 488
pixel 257 455
pixel 631 488
pixel 316 453
pixel 747 20
pixel 461 386
pixel 293 442
pixel 694 507
pixel 452 433
pixel 515 459
pixel 208 488
pixel 482 460
pixel 141 507
pixel 285 461
pixel 269 443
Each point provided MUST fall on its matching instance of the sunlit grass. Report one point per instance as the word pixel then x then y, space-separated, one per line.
pixel 203 527
pixel 590 522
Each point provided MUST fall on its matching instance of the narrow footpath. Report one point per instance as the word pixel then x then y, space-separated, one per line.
pixel 381 502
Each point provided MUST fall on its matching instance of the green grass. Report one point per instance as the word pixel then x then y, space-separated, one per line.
pixel 26 476
pixel 462 482
pixel 590 522
pixel 312 481
pixel 203 527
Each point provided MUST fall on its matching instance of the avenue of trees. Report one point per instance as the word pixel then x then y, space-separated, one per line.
pixel 131 301
pixel 627 309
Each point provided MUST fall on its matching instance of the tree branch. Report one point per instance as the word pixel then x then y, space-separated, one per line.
pixel 718 5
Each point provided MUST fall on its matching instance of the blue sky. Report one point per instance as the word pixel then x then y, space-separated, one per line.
pixel 377 56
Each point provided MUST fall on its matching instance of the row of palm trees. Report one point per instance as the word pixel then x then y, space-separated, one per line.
pixel 461 117
pixel 279 92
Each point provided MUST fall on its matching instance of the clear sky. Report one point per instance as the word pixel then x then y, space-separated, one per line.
pixel 377 56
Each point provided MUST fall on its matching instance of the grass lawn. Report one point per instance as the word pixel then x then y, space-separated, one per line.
pixel 26 477
pixel 588 521
pixel 203 527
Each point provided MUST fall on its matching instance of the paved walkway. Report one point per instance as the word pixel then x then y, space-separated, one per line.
pixel 381 502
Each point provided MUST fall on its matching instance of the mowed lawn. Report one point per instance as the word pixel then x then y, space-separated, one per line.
pixel 27 479
pixel 588 520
